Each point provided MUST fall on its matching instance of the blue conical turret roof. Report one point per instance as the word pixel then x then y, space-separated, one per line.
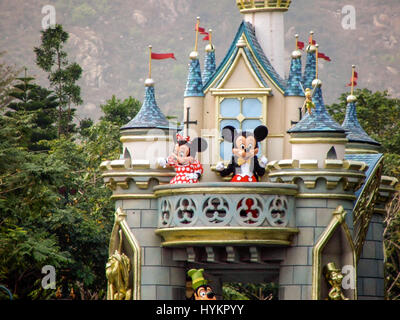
pixel 149 115
pixel 293 87
pixel 355 133
pixel 319 120
pixel 194 85
pixel 310 69
pixel 209 65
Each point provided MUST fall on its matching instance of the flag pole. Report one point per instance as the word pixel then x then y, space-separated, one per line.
pixel 297 41
pixel 150 47
pixel 197 33
pixel 352 78
pixel 316 62
pixel 210 36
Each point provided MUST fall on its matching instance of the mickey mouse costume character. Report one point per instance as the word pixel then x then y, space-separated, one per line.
pixel 188 170
pixel 244 163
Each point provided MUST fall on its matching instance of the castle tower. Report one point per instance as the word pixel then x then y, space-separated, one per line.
pixel 359 140
pixel 294 97
pixel 318 207
pixel 149 126
pixel 317 136
pixel 267 17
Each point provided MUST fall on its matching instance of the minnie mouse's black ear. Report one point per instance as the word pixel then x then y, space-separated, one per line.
pixel 198 145
pixel 260 133
pixel 228 133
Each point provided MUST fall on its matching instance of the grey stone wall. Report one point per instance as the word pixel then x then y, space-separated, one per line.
pixel 312 218
pixel 370 276
pixel 162 278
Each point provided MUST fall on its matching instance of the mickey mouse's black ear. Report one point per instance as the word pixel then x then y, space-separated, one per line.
pixel 198 145
pixel 228 133
pixel 260 133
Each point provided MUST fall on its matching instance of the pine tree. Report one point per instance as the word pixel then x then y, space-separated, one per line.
pixel 40 105
pixel 51 58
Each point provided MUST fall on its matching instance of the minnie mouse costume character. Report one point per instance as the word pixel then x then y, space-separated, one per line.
pixel 188 170
pixel 244 163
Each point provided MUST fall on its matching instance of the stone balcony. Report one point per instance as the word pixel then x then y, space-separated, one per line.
pixel 225 213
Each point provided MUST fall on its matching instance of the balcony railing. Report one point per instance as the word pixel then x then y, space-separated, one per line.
pixel 212 213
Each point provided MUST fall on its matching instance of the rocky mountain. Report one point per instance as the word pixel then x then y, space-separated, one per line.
pixel 109 39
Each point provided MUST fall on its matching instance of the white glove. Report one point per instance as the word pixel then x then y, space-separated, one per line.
pixel 220 166
pixel 162 162
pixel 263 162
pixel 192 176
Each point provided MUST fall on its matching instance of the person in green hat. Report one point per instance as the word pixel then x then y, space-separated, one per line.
pixel 202 291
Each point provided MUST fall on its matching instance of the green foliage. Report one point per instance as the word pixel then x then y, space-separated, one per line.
pixel 41 104
pixel 392 249
pixel 62 75
pixel 249 291
pixel 120 112
pixel 54 207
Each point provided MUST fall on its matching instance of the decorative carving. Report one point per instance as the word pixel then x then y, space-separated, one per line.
pixel 249 211
pixel 118 268
pixel 364 208
pixel 334 277
pixel 185 211
pixel 215 210
pixel 165 213
pixel 277 214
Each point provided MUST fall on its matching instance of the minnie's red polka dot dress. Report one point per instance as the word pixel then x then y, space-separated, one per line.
pixel 184 172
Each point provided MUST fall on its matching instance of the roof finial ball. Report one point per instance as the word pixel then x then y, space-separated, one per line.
pixel 209 46
pixel 296 54
pixel 311 47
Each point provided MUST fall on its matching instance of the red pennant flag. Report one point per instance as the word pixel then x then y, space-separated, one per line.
pixel 300 45
pixel 323 56
pixel 353 80
pixel 207 37
pixel 161 56
pixel 199 29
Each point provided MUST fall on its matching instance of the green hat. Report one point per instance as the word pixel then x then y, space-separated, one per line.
pixel 197 278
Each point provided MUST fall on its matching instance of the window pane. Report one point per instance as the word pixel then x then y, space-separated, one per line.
pixel 252 108
pixel 233 123
pixel 226 147
pixel 250 125
pixel 225 150
pixel 230 108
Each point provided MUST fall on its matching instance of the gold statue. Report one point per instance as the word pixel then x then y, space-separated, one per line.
pixel 308 103
pixel 117 272
pixel 334 277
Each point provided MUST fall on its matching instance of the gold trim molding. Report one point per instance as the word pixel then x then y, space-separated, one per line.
pixel 338 220
pixel 176 237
